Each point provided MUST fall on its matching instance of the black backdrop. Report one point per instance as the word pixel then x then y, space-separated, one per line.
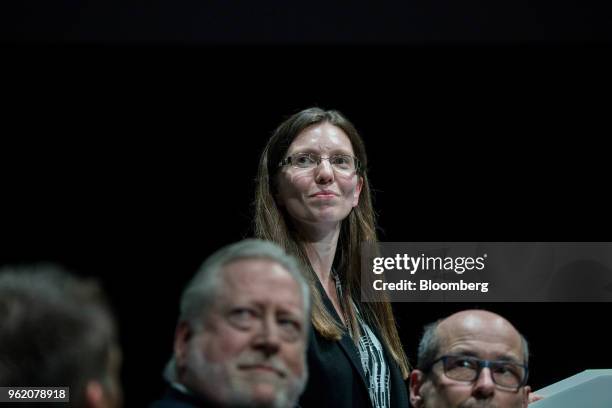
pixel 133 162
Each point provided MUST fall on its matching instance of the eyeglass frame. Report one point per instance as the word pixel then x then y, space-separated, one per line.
pixel 482 363
pixel 287 160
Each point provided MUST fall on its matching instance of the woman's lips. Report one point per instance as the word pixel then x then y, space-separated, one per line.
pixel 324 194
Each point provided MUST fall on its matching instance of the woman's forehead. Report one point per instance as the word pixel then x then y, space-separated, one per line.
pixel 322 137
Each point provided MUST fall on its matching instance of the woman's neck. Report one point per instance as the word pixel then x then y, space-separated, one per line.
pixel 320 245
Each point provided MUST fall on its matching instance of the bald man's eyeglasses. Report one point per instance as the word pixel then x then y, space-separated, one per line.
pixel 507 375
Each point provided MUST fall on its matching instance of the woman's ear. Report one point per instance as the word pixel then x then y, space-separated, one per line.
pixel 275 188
pixel 277 198
pixel 357 191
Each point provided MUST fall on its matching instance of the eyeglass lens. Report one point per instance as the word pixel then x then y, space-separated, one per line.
pixel 505 374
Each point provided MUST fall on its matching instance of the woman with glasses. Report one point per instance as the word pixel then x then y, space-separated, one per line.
pixel 313 198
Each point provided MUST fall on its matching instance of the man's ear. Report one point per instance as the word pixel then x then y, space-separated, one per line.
pixel 94 395
pixel 181 337
pixel 357 191
pixel 526 391
pixel 417 378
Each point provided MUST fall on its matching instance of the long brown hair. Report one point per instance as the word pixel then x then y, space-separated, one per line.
pixel 271 223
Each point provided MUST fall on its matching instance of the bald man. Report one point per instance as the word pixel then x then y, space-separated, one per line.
pixel 473 358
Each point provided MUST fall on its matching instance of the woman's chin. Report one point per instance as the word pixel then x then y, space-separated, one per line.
pixel 320 216
pixel 328 216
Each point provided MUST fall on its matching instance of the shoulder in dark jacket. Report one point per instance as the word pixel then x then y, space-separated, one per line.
pixel 174 398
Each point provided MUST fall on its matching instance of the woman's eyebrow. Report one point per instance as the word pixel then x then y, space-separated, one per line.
pixel 333 151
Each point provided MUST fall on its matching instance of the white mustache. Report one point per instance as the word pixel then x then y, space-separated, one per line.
pixel 260 360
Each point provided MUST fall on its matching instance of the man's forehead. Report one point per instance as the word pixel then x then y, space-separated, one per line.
pixel 253 268
pixel 259 276
pixel 479 333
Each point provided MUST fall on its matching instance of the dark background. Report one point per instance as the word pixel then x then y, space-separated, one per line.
pixel 131 135
pixel 275 21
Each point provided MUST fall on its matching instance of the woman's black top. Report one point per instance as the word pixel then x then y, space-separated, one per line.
pixel 336 371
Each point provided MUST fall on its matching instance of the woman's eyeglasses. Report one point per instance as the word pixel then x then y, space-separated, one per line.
pixel 340 162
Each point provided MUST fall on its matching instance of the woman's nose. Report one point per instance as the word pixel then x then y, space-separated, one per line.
pixel 324 172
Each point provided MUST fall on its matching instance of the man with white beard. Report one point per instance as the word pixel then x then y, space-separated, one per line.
pixel 242 332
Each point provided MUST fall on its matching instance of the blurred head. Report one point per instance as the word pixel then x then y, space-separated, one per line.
pixel 57 330
pixel 241 337
pixel 473 358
